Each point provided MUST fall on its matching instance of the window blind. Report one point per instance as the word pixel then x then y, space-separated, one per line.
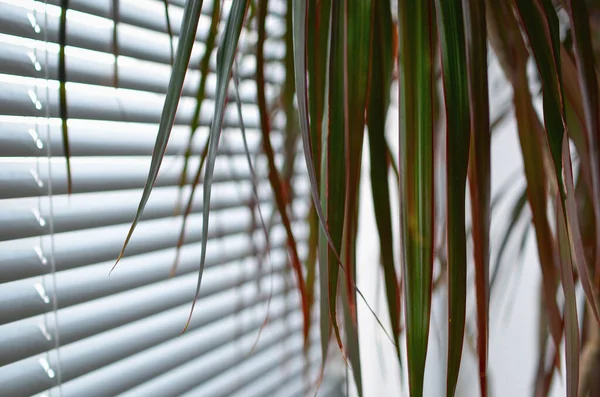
pixel 66 327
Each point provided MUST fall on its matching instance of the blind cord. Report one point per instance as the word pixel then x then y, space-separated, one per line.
pixel 51 210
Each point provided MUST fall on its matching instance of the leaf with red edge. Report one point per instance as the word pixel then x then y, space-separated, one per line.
pixel 356 27
pixel 317 41
pixel 274 178
pixel 382 63
pixel 416 82
pixel 541 24
pixel 505 36
pixel 479 171
pixel 455 79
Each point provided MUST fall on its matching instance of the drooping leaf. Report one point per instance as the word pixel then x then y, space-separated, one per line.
pixel 292 129
pixel 505 36
pixel 317 51
pixel 458 125
pixel 225 57
pixel 334 158
pixel 541 24
pixel 356 21
pixel 479 171
pixel 584 57
pixel 200 95
pixel 416 81
pixel 256 200
pixel 381 76
pixel 317 44
pixel 300 20
pixel 187 37
pixel 62 78
pixel 274 178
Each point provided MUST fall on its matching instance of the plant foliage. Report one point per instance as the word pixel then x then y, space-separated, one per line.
pixel 345 57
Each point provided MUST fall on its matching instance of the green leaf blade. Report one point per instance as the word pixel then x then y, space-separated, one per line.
pixel 200 95
pixel 334 159
pixel 356 63
pixel 189 24
pixel 458 125
pixel 416 77
pixel 381 77
pixel 225 57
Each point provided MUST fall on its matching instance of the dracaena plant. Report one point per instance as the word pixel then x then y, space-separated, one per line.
pixel 342 60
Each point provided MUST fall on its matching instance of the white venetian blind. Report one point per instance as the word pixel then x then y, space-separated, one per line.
pixel 66 327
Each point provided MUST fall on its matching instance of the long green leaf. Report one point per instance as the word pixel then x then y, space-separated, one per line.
pixel 541 24
pixel 290 148
pixel 300 21
pixel 62 78
pixel 356 54
pixel 317 44
pixel 274 177
pixel 458 125
pixel 334 163
pixel 200 95
pixel 416 77
pixel 479 171
pixel 381 77
pixel 584 57
pixel 225 56
pixel 254 179
pixel 189 24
